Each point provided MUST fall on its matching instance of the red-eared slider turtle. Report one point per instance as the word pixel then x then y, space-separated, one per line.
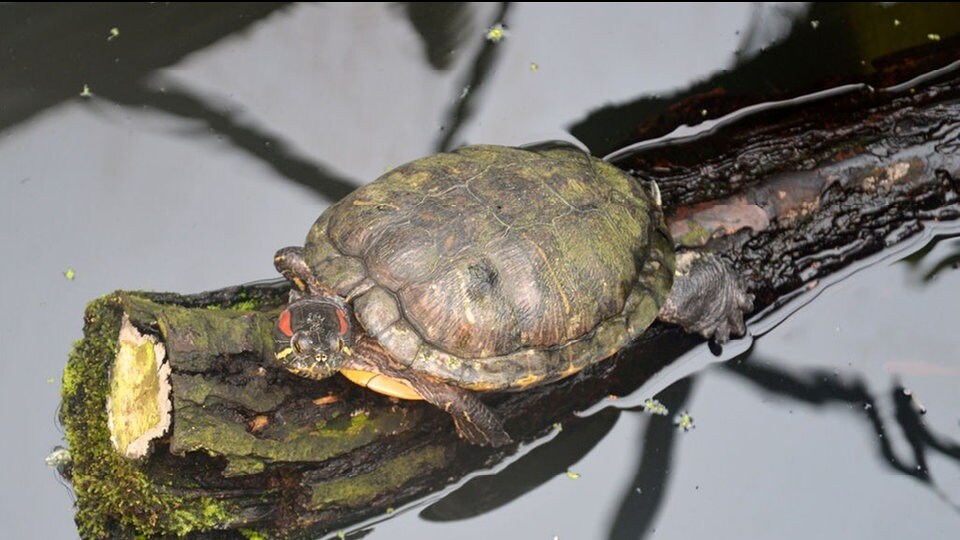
pixel 490 269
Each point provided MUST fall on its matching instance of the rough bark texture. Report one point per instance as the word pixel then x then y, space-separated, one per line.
pixel 787 198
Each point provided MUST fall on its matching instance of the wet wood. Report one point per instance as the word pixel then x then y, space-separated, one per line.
pixel 788 198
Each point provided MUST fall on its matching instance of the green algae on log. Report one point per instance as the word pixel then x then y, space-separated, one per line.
pixel 232 417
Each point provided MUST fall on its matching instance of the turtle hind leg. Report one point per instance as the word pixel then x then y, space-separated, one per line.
pixel 707 298
pixel 475 422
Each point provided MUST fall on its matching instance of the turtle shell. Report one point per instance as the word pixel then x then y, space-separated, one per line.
pixel 496 268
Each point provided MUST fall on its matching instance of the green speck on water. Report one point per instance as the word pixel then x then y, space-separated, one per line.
pixel 684 421
pixel 114 34
pixel 86 93
pixel 933 37
pixel 69 273
pixel 896 22
pixel 534 66
pixel 496 33
pixel 573 475
pixel 653 406
pixel 390 510
pixel 814 24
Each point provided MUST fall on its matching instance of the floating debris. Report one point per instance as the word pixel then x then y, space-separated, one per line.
pixel 86 93
pixel 390 510
pixel 496 33
pixel 684 421
pixel 653 406
pixel 703 113
pixel 59 457
pixel 896 22
pixel 558 426
pixel 814 24
pixel 572 475
pixel 933 37
pixel 69 273
pixel 114 34
pixel 534 66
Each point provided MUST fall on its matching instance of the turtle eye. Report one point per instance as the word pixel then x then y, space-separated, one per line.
pixel 302 344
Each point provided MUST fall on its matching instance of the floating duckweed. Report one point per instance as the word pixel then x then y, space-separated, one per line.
pixel 703 112
pixel 896 22
pixel 534 66
pixel 114 34
pixel 573 475
pixel 496 33
pixel 69 273
pixel 684 421
pixel 814 24
pixel 933 37
pixel 653 406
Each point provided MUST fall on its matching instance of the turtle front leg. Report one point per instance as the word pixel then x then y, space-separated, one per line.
pixel 289 261
pixel 474 421
pixel 707 298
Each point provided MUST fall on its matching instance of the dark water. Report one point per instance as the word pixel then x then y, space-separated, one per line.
pixel 215 135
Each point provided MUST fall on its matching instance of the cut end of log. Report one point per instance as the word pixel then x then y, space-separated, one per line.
pixel 138 407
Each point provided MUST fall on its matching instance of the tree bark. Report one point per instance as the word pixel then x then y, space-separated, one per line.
pixel 788 195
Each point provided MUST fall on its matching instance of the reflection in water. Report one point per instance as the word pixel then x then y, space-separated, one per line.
pixel 462 109
pixel 255 141
pixel 51 50
pixel 820 387
pixel 949 260
pixel 837 49
pixel 444 28
pixel 641 503
pixel 485 493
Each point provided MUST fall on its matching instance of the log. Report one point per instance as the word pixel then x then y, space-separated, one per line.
pixel 179 423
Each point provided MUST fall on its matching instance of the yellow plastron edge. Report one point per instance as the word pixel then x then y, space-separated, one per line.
pixel 381 384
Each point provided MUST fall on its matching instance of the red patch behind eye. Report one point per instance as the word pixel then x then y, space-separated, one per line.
pixel 343 322
pixel 284 323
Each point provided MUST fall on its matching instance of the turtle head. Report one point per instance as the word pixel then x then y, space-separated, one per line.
pixel 314 335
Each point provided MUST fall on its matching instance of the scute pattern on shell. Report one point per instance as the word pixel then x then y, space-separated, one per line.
pixel 494 267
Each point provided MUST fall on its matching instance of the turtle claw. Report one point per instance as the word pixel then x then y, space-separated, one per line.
pixel 490 434
pixel 708 298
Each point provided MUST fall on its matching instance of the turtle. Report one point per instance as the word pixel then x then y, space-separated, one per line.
pixel 491 269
